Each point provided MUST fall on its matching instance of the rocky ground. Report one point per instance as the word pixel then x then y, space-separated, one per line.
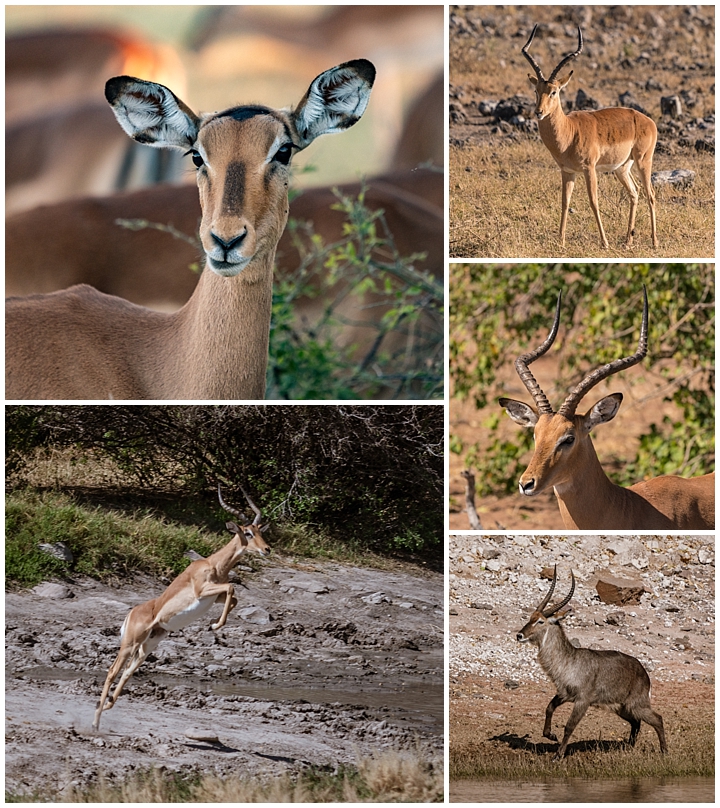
pixel 496 683
pixel 668 57
pixel 320 663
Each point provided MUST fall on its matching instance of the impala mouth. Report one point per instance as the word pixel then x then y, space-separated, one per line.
pixel 227 269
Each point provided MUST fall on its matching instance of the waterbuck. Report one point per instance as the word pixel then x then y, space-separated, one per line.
pixel 588 678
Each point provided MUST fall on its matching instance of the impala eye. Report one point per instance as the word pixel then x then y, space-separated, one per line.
pixel 568 440
pixel 283 154
pixel 198 162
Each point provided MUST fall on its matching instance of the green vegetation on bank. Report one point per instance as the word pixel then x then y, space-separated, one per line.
pixel 342 481
pixel 108 543
pixel 386 777
pixel 692 754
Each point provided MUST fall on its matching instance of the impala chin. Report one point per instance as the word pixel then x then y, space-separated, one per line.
pixel 226 269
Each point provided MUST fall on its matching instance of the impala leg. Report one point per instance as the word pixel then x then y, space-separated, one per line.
pixel 579 710
pixel 230 604
pixel 119 663
pixel 224 592
pixel 554 704
pixel 626 178
pixel 568 183
pixel 591 183
pixel 644 164
pixel 142 652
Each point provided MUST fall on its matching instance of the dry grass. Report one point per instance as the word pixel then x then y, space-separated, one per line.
pixel 387 777
pixel 508 205
pixel 691 755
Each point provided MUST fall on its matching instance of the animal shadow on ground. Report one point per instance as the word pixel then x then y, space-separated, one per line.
pixel 208 746
pixel 517 742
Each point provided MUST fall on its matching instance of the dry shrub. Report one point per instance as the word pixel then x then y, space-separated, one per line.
pixel 388 776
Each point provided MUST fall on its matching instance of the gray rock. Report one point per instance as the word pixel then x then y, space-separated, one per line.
pixel 58 549
pixel 254 614
pixel 677 178
pixel 54 591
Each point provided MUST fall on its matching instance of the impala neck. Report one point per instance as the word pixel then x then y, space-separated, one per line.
pixel 220 338
pixel 556 130
pixel 227 557
pixel 589 492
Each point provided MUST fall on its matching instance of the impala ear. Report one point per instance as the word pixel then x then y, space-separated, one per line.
pixel 563 82
pixel 335 101
pixel 521 413
pixel 232 527
pixel 605 410
pixel 533 80
pixel 152 114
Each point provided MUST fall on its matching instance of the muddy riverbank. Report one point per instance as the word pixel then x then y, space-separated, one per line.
pixel 320 663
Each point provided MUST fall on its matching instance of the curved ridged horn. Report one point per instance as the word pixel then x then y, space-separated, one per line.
pixel 571 402
pixel 550 591
pixel 564 602
pixel 569 57
pixel 258 513
pixel 233 511
pixel 526 377
pixel 535 66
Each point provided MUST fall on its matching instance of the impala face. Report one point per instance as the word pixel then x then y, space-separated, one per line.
pixel 547 94
pixel 556 446
pixel 243 160
pixel 563 447
pixel 242 155
pixel 255 541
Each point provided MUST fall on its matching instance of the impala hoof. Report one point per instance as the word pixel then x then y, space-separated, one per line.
pixel 551 736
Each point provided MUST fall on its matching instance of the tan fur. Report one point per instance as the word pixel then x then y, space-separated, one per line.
pixel 565 458
pixel 588 500
pixel 584 143
pixel 147 623
pixel 80 344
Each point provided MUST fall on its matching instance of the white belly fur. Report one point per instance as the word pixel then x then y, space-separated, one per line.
pixel 604 168
pixel 195 610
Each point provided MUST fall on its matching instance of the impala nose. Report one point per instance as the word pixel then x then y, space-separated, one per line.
pixel 528 488
pixel 519 637
pixel 226 246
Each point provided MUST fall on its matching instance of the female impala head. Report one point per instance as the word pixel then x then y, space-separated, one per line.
pixel 547 91
pixel 242 155
pixel 562 439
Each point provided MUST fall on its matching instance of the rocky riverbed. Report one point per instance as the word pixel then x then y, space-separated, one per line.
pixel 320 663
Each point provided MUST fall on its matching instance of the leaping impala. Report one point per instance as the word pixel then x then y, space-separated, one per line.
pixel 565 458
pixel 81 344
pixel 585 142
pixel 193 593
